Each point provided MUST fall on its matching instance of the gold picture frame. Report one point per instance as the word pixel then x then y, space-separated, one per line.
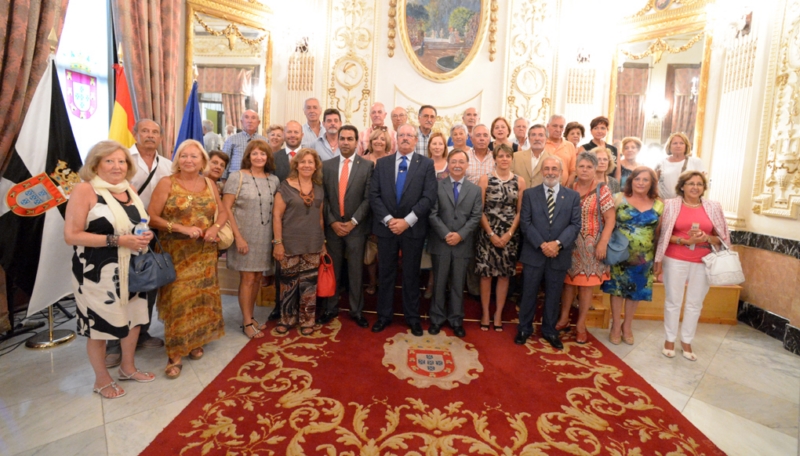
pixel 488 13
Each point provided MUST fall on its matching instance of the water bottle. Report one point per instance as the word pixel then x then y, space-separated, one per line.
pixel 141 228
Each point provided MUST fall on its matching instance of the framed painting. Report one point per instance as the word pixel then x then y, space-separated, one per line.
pixel 442 37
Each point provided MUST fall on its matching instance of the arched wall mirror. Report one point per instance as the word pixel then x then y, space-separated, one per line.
pixel 229 54
pixel 659 77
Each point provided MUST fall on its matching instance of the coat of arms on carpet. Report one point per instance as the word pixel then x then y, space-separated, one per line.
pixel 428 361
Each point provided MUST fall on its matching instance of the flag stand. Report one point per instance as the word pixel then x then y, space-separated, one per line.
pixel 52 338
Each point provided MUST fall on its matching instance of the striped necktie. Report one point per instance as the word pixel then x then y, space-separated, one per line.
pixel 551 204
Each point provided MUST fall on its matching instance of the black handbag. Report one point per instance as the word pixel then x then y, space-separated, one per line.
pixel 150 270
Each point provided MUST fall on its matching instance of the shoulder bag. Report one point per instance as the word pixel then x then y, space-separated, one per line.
pixel 617 250
pixel 225 233
pixel 150 270
pixel 723 266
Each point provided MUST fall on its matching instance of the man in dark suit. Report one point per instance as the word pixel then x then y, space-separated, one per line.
pixel 550 221
pixel 294 137
pixel 346 180
pixel 401 195
pixel 454 222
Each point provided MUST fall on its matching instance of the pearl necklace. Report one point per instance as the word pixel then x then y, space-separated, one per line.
pixel 691 205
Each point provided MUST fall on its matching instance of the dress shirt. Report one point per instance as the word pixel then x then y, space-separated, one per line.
pixel 422 143
pixel 324 150
pixel 290 150
pixel 350 175
pixel 363 141
pixel 212 141
pixel 535 159
pixel 309 137
pixel 460 186
pixel 163 167
pixel 478 168
pixel 523 146
pixel 565 150
pixel 411 218
pixel 235 146
pixel 556 188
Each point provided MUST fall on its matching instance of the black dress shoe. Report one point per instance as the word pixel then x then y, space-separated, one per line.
pixel 434 329
pixel 379 326
pixel 555 341
pixel 276 314
pixel 416 329
pixel 326 318
pixel 459 331
pixel 521 338
pixel 361 321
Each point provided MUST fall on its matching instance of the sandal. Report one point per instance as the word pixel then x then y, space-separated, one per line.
pixel 171 369
pixel 498 328
pixel 258 325
pixel 484 327
pixel 196 354
pixel 307 330
pixel 562 328
pixel 255 328
pixel 112 385
pixel 582 337
pixel 371 289
pixel 123 377
pixel 282 329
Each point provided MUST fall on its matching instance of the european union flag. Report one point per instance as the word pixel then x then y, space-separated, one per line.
pixel 192 123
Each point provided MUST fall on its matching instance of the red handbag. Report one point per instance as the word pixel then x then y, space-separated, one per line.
pixel 326 280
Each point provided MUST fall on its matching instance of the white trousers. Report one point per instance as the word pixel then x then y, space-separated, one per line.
pixel 676 275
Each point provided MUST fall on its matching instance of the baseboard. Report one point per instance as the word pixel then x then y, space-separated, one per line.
pixel 770 324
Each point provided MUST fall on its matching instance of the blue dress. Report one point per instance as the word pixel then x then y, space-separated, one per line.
pixel 633 279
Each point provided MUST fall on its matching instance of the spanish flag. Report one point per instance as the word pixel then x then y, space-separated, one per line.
pixel 122 119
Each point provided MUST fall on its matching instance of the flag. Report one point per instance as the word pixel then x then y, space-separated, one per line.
pixel 192 123
pixel 34 191
pixel 122 119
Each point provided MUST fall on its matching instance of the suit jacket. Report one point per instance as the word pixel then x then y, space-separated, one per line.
pixel 537 229
pixel 281 164
pixel 356 197
pixel 419 194
pixel 462 218
pixel 522 167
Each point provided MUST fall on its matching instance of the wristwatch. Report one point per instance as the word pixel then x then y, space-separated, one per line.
pixel 559 244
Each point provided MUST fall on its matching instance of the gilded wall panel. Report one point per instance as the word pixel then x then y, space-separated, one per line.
pixel 530 59
pixel 777 183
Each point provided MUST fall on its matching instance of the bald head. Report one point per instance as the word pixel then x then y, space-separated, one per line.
pixel 377 114
pixel 399 117
pixel 294 134
pixel 250 122
pixel 470 118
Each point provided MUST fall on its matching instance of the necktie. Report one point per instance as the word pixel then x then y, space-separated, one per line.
pixel 292 153
pixel 551 204
pixel 402 170
pixel 343 184
pixel 455 192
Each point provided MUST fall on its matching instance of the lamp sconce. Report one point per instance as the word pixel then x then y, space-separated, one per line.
pixel 583 56
pixel 731 23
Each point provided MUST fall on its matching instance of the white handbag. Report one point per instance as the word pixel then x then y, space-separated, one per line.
pixel 723 266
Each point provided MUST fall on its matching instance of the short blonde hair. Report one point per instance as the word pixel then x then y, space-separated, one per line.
pixel 631 139
pixel 274 127
pixel 293 173
pixel 612 164
pixel 100 151
pixel 685 141
pixel 387 137
pixel 184 145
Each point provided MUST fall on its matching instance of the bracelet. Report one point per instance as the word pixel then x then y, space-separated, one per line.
pixel 217 225
pixel 169 227
pixel 277 241
pixel 679 242
pixel 492 234
pixel 112 240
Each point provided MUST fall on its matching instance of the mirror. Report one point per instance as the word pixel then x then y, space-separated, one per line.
pixel 229 55
pixel 659 83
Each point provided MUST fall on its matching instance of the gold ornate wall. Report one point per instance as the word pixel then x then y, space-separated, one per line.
pixel 531 59
pixel 350 58
pixel 776 191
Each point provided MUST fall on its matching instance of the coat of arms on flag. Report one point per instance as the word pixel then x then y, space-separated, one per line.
pixel 431 361
pixel 81 94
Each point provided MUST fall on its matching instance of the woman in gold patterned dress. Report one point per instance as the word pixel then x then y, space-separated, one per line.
pixel 182 209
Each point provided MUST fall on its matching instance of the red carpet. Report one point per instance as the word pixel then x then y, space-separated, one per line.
pixel 346 390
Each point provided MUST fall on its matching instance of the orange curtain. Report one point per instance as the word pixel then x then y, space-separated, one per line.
pixel 631 95
pixel 24 30
pixel 683 108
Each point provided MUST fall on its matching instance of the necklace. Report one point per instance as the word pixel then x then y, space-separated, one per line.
pixel 185 185
pixel 691 205
pixel 308 198
pixel 497 175
pixel 260 199
pixel 127 200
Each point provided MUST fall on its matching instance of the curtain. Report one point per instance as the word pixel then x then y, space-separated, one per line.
pixel 233 105
pixel 683 113
pixel 631 94
pixel 149 31
pixel 23 59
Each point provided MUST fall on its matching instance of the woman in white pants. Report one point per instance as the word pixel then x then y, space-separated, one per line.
pixel 689 226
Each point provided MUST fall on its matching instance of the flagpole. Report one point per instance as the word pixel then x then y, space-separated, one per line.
pixel 54 337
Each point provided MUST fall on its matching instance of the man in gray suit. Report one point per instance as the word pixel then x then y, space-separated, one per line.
pixel 454 220
pixel 550 221
pixel 293 136
pixel 346 180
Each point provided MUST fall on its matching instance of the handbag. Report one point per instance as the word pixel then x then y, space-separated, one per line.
pixel 326 280
pixel 150 270
pixel 370 252
pixel 723 266
pixel 617 249
pixel 225 233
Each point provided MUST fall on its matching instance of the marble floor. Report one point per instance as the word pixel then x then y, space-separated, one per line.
pixel 743 392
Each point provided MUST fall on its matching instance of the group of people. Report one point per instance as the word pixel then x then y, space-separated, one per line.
pixel 473 205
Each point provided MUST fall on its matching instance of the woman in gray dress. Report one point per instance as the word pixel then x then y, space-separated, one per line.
pixel 249 195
